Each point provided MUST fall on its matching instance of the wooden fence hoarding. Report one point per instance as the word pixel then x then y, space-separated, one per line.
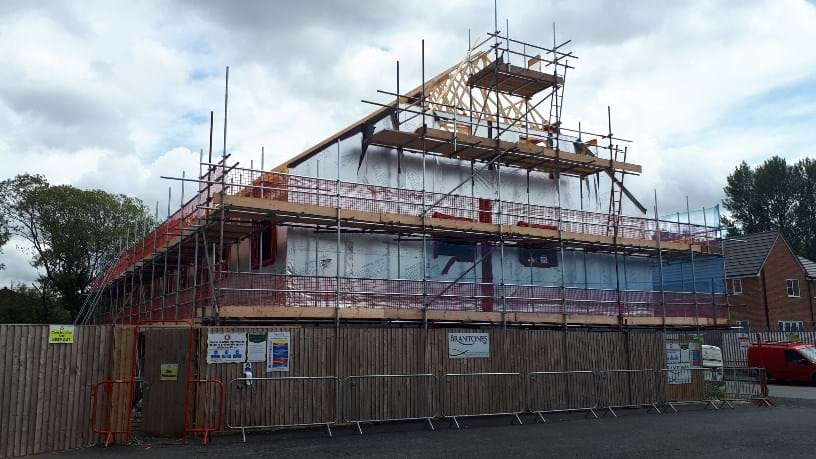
pixel 45 388
pixel 382 351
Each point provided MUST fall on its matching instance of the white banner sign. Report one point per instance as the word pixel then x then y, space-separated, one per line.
pixel 256 347
pixel 226 347
pixel 679 373
pixel 672 353
pixel 468 345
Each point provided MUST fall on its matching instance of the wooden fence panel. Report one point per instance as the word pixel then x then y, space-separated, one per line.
pixel 45 389
pixel 367 351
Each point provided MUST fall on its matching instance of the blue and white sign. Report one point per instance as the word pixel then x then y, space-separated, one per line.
pixel 468 346
pixel 673 353
pixel 226 347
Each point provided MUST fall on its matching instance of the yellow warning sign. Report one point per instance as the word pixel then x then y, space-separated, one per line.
pixel 60 334
pixel 169 372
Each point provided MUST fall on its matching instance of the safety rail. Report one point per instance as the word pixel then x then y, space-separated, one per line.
pixel 561 392
pixel 268 289
pixel 178 304
pixel 382 199
pixel 108 389
pixel 744 384
pixel 628 389
pixel 254 395
pixel 243 288
pixel 500 397
pixel 257 402
pixel 400 399
pixel 688 386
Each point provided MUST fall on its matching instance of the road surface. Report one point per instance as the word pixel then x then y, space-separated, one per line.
pixel 744 432
pixel 801 391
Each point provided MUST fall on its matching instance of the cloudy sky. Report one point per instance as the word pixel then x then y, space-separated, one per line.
pixel 112 95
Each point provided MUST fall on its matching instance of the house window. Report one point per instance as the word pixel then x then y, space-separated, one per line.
pixel 264 245
pixel 744 325
pixel 793 287
pixel 736 286
pixel 791 325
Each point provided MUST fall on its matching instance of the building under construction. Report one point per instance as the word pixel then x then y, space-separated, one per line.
pixel 463 200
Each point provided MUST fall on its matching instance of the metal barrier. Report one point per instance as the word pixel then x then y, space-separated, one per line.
pixel 189 423
pixel 497 394
pixel 628 389
pixel 562 391
pixel 741 384
pixel 390 398
pixel 108 389
pixel 689 386
pixel 265 392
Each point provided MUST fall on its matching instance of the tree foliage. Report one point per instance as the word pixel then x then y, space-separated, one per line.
pixel 73 233
pixel 4 237
pixel 22 304
pixel 774 196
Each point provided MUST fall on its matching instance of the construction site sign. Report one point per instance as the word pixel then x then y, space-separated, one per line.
pixel 468 345
pixel 278 352
pixel 226 347
pixel 169 372
pixel 60 334
pixel 256 347
pixel 679 362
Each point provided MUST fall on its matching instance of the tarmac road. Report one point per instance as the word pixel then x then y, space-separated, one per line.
pixel 745 432
pixel 801 391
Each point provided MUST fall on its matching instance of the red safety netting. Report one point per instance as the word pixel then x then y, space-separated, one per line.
pixel 261 289
pixel 378 199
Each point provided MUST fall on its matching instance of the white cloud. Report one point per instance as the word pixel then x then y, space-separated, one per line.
pixel 114 96
pixel 16 257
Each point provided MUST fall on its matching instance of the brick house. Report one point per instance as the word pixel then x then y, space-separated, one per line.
pixel 769 286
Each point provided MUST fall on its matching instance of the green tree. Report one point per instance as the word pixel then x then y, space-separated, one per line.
pixel 4 237
pixel 805 186
pixel 739 200
pixel 762 199
pixel 73 233
pixel 774 196
pixel 23 304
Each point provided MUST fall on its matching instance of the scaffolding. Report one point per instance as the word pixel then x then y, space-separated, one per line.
pixel 484 112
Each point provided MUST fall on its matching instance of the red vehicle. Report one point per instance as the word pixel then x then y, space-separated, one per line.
pixel 785 361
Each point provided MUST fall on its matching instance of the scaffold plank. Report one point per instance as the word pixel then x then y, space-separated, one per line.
pixel 510 79
pixel 283 211
pixel 524 155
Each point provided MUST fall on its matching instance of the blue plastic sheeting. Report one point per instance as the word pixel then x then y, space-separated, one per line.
pixel 678 276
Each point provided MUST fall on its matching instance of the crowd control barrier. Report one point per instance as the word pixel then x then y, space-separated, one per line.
pixel 740 384
pixel 562 391
pixel 481 394
pixel 205 430
pixel 107 387
pixel 383 398
pixel 247 394
pixel 689 386
pixel 628 389
pixel 270 403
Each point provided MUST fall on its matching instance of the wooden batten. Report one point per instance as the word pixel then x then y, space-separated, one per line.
pixel 247 312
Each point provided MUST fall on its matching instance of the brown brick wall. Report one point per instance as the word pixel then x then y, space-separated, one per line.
pixel 780 266
pixel 748 305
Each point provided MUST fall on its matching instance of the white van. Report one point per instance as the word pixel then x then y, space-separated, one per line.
pixel 713 361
